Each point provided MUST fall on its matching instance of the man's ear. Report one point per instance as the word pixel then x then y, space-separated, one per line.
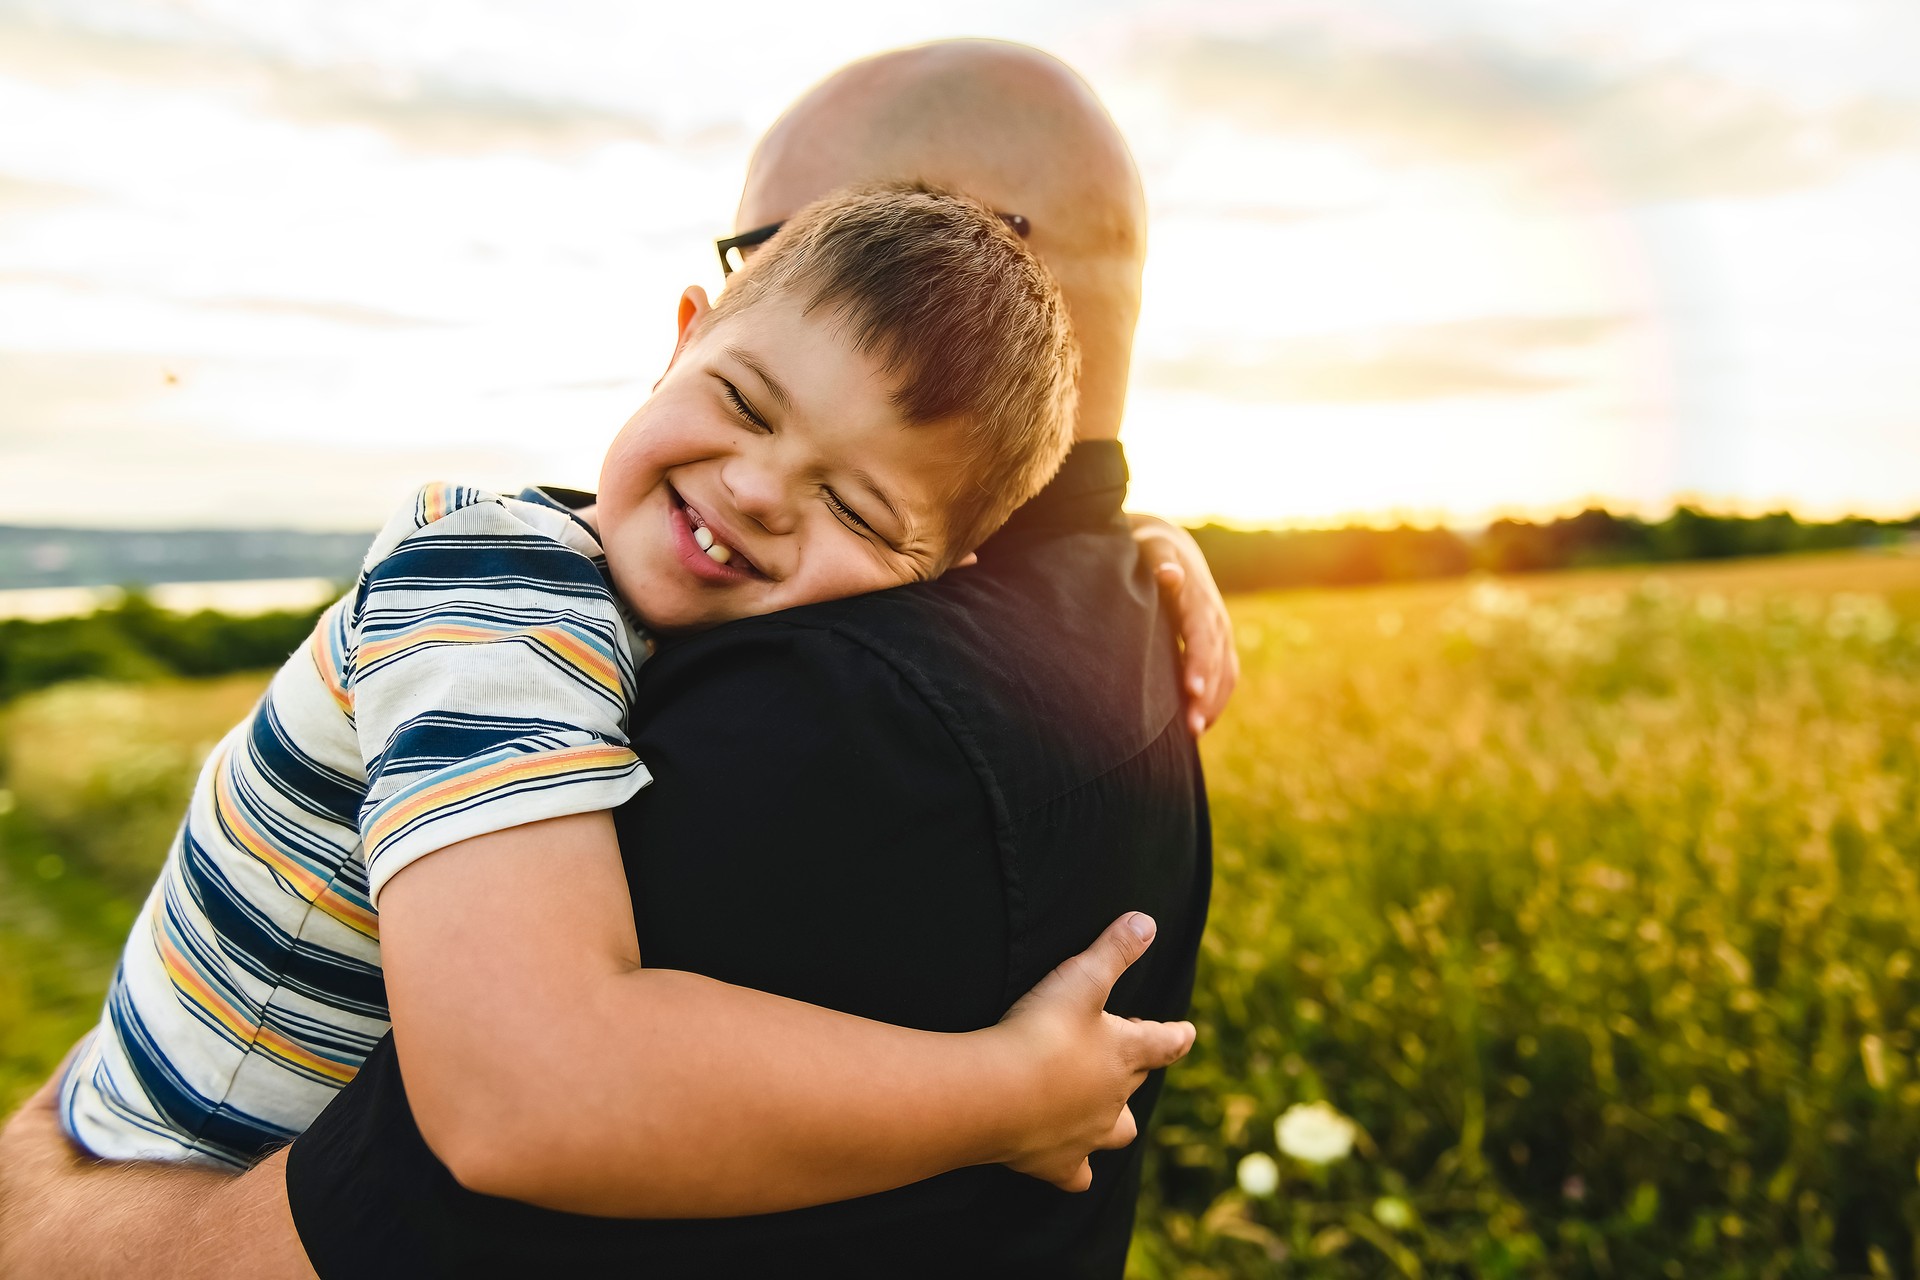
pixel 693 314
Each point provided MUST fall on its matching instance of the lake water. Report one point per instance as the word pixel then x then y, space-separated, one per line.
pixel 260 595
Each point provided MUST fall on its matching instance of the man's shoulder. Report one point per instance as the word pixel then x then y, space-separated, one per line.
pixel 1049 662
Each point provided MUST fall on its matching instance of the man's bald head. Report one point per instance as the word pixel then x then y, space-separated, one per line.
pixel 1007 125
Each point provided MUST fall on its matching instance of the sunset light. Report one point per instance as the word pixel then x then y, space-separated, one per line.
pixel 1433 262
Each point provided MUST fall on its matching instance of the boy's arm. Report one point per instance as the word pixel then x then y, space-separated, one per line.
pixel 544 1064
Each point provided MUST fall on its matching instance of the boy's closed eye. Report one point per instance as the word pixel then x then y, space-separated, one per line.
pixel 739 405
pixel 743 409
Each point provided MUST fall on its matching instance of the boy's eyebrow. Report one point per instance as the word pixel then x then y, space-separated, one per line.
pixel 774 389
pixel 872 486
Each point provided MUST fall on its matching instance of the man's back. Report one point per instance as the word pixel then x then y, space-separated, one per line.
pixel 908 806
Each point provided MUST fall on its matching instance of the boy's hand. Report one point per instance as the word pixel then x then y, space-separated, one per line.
pixel 1210 666
pixel 1088 1061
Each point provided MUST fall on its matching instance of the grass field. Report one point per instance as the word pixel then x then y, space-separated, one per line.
pixel 1593 901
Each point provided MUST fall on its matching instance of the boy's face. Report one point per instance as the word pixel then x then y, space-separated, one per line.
pixel 768 469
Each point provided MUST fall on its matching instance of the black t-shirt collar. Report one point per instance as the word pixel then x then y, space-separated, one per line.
pixel 1085 495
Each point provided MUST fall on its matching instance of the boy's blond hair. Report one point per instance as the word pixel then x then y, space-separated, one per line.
pixel 962 317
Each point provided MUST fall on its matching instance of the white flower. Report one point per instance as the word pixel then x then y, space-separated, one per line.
pixel 1259 1175
pixel 1315 1132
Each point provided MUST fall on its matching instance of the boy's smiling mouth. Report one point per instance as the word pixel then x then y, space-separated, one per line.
pixel 708 553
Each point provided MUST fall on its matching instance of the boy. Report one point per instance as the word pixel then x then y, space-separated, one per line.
pixel 864 406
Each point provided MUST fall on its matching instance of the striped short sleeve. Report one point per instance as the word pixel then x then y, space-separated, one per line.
pixel 489 677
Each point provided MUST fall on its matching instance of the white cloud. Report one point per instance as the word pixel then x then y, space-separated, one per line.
pixel 1570 116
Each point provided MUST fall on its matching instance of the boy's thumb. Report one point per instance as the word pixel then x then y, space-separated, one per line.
pixel 1122 942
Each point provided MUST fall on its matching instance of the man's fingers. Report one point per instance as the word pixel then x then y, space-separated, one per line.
pixel 1208 659
pixel 1119 945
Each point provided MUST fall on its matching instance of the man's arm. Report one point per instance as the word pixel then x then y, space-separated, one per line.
pixel 65 1217
pixel 544 1064
pixel 1209 662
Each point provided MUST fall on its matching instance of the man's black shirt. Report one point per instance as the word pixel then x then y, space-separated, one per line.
pixel 909 806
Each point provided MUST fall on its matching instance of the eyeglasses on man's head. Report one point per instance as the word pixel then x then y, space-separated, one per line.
pixel 735 250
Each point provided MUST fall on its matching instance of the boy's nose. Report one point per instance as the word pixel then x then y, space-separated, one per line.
pixel 760 494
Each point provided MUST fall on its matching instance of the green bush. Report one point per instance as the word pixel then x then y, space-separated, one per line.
pixel 137 640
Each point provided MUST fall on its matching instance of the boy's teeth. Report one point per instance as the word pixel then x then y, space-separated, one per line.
pixel 717 551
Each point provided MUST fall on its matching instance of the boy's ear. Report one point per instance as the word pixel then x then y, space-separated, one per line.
pixel 693 313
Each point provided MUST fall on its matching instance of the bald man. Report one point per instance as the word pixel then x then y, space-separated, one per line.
pixel 1020 131
pixel 906 806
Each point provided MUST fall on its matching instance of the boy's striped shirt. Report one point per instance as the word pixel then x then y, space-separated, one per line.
pixel 476 678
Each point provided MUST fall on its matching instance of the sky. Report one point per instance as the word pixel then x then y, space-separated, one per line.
pixel 277 262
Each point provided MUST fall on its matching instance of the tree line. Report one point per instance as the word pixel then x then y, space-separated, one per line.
pixel 135 639
pixel 1265 559
pixel 138 640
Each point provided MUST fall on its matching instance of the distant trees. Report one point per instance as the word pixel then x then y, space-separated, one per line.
pixel 138 640
pixel 1253 560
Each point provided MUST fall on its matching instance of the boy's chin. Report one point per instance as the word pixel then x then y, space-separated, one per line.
pixel 670 614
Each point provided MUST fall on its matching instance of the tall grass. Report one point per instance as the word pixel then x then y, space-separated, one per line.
pixel 1595 902
pixel 1592 899
pixel 93 781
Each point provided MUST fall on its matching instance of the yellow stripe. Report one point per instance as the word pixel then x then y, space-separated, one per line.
pixel 311 886
pixel 188 981
pixel 492 777
pixel 320 646
pixel 436 500
pixel 191 984
pixel 575 653
pixel 287 1050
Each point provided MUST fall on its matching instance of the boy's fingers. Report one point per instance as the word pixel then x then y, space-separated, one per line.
pixel 1161 1044
pixel 1124 1131
pixel 1119 945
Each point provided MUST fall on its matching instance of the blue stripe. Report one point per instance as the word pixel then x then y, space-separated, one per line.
pixel 321 791
pixel 609 697
pixel 270 953
pixel 533 787
pixel 221 916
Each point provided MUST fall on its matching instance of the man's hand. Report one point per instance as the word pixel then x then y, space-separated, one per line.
pixel 1089 1061
pixel 1210 666
pixel 66 1217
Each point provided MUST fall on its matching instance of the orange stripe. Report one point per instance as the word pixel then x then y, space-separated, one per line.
pixel 281 1047
pixel 433 502
pixel 490 778
pixel 321 648
pixel 311 886
pixel 576 653
pixel 188 981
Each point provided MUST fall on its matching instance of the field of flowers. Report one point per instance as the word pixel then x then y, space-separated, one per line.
pixel 1563 926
